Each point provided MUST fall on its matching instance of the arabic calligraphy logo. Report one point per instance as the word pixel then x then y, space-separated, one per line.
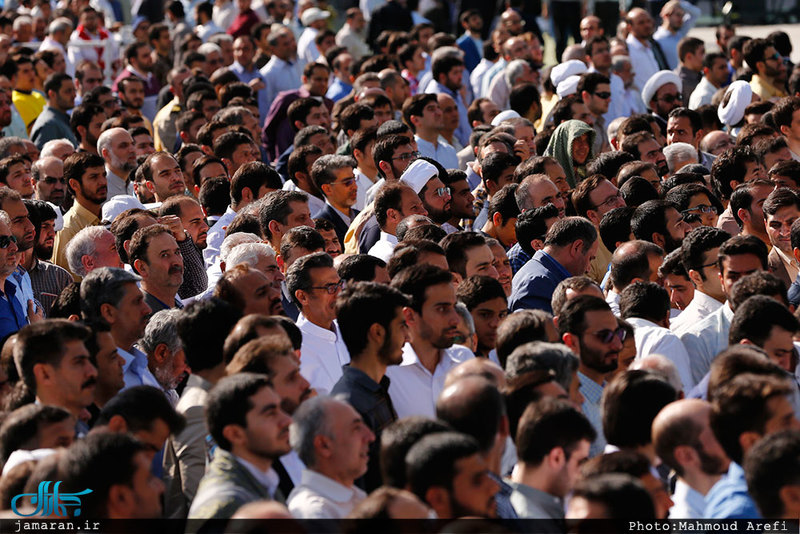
pixel 48 503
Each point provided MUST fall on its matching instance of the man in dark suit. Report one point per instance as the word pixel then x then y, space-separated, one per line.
pixel 569 248
pixel 333 175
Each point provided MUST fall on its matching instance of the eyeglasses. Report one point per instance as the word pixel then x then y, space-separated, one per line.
pixel 669 99
pixel 607 336
pixel 409 156
pixel 347 182
pixel 332 289
pixel 609 200
pixel 51 180
pixel 774 57
pixel 703 208
pixel 603 94
pixel 6 240
pixel 442 191
pixel 712 264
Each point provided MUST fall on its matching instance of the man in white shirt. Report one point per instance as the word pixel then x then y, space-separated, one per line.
pixel 315 20
pixel 393 203
pixel 333 441
pixel 423 114
pixel 429 354
pixel 764 320
pixel 116 147
pixel 699 253
pixel 247 445
pixel 58 33
pixel 715 75
pixel 351 34
pixel 646 55
pixel 645 305
pixel 684 441
pixel 284 69
pixel 678 16
pixel 313 285
pixel 737 257
pixel 598 55
pixel 634 261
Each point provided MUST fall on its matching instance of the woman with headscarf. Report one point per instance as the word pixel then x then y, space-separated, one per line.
pixel 571 144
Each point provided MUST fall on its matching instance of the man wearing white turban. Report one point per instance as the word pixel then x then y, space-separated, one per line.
pixel 731 110
pixel 661 94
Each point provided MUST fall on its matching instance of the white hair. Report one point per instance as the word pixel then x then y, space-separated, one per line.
pixel 514 70
pixel 249 253
pixel 662 366
pixel 209 48
pixel 233 240
pixel 5 218
pixel 104 141
pixel 19 21
pixel 50 146
pixel 678 155
pixel 58 25
pixel 83 244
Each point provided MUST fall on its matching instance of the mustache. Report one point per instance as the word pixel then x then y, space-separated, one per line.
pixel 176 269
pixel 89 383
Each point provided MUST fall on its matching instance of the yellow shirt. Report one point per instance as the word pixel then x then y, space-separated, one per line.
pixel 165 129
pixel 764 89
pixel 29 106
pixel 599 265
pixel 75 220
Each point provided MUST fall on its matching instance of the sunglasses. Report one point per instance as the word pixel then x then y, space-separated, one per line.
pixel 52 180
pixel 6 240
pixel 669 99
pixel 347 182
pixel 607 335
pixel 442 191
pixel 603 94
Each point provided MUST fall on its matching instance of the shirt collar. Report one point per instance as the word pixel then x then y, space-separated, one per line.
pixel 135 357
pixel 268 479
pixel 85 215
pixel 388 237
pixel 362 379
pixel 327 487
pixel 317 331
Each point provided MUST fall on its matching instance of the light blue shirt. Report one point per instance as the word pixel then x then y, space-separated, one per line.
pixel 216 235
pixel 729 499
pixel 22 280
pixel 135 371
pixel 669 41
pixel 441 152
pixel 280 75
pixel 592 394
pixel 464 130
pixel 246 76
pixel 705 339
pixel 493 71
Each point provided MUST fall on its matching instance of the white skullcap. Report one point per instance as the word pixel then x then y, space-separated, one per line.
pixel 568 86
pixel 117 204
pixel 313 14
pixel 504 115
pixel 417 174
pixel 562 71
pixel 656 82
pixel 740 96
pixel 21 456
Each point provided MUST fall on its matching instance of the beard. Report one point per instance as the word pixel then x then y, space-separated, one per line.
pixel 385 352
pixel 711 465
pixel 594 359
pixel 442 341
pixel 438 216
pixel 43 252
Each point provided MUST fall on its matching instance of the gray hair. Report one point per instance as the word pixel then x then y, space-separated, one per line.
pixel 409 222
pixel 618 63
pixel 83 244
pixel 50 146
pixel 538 355
pixel 249 253
pixel 59 25
pixel 4 217
pixel 679 154
pixel 105 285
pixel 9 143
pixel 324 168
pixel 444 51
pixel 209 48
pixel 275 32
pixel 233 116
pixel 464 313
pixel 19 21
pixel 104 141
pixel 514 70
pixel 218 38
pixel 162 329
pixel 309 421
pixel 662 366
pixel 234 240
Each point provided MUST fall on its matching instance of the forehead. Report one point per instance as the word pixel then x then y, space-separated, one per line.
pixel 599 319
pixel 164 162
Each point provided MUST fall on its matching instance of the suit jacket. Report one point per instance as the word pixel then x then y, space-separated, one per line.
pixel 330 213
pixel 472 56
pixel 533 285
pixel 226 487
pixel 777 267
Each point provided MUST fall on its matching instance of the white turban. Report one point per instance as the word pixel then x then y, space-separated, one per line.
pixel 656 82
pixel 562 71
pixel 568 86
pixel 418 173
pixel 740 96
pixel 504 115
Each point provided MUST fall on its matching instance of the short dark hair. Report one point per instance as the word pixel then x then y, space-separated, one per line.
pixel 697 243
pixel 755 318
pixel 76 164
pixel 44 343
pixel 590 80
pixel 455 247
pixel 202 328
pixel 141 407
pixel 301 237
pixel 478 289
pixel 276 207
pixel 359 267
pixel 20 428
pixel 644 300
pixel 432 460
pixel 615 227
pixel 504 202
pixel 625 268
pixel 229 401
pixel 215 195
pixel 298 275
pixel 389 196
pixel 413 107
pixel 742 405
pixel 414 281
pixel 622 496
pixel 360 306
pixel 572 318
pixel 227 143
pixel 770 466
pixel 519 328
pixel 253 175
pixel 566 231
pixel 548 424
pixel 608 163
pixel 782 197
pixel 754 50
pixel 630 403
pixel 532 224
pixel 743 244
pixel 757 283
pixel 730 166
pixel 694 118
pixel 397 439
pixel 82 115
pixel 651 218
pixel 408 253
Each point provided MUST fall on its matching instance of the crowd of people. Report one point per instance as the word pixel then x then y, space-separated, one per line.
pixel 334 261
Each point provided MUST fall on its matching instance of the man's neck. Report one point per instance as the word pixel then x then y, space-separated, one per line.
pixel 431 136
pixel 44 398
pixel 213 375
pixel 769 79
pixel 534 477
pixel 428 355
pixel 164 294
pixel 700 482
pixel 369 363
pixel 101 396
pixel 709 80
pixel 92 150
pixel 605 72
pixel 455 221
pixel 748 230
pixel 94 209
pixel 489 229
pixel 333 472
pixel 317 321
pixel 372 173
pixel 123 340
pixel 263 464
pixel 794 145
pixel 28 259
pixel 591 374
pixel 474 35
pixel 342 209
pixel 449 136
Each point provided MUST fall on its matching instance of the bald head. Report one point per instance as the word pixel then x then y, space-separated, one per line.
pixel 480 367
pixel 473 405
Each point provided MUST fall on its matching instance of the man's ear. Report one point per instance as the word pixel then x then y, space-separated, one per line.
pixel 139 267
pixel 161 354
pixel 695 278
pixel 409 315
pixel 385 167
pixel 497 219
pixel 118 424
pixel 376 333
pixel 274 227
pixel 658 239
pixel 120 501
pixel 537 244
pixel 572 342
pixel 234 434
pixel 87 262
pixel 796 253
pixel 247 195
pixel 108 313
pixel 151 186
pixel 438 498
pixel 592 215
pixel 556 458
pixel 747 439
pixel 43 373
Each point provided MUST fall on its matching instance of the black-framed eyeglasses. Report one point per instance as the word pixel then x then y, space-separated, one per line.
pixel 712 264
pixel 332 289
pixel 774 57
pixel 609 200
pixel 51 180
pixel 669 99
pixel 702 208
pixel 347 182
pixel 607 335
pixel 442 191
pixel 6 240
pixel 408 156
pixel 603 94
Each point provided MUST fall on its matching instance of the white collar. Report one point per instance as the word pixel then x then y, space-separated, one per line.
pixel 317 331
pixel 388 237
pixel 268 479
pixel 328 487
